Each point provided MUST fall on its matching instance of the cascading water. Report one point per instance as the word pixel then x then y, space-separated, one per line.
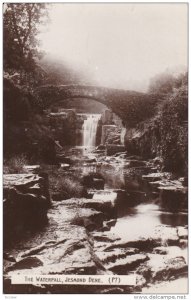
pixel 90 129
pixel 122 137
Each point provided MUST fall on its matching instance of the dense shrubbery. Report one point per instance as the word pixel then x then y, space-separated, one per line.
pixel 174 132
pixel 166 133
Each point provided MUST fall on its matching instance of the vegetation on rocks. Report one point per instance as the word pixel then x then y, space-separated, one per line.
pixel 173 123
pixel 63 185
pixel 15 164
pixel 166 133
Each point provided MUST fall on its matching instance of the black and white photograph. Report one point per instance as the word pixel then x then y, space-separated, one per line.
pixel 95 148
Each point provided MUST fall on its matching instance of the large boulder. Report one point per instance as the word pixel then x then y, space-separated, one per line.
pixel 99 203
pixel 25 201
pixel 69 253
pixel 162 268
pixel 112 149
pixel 65 247
pixel 95 181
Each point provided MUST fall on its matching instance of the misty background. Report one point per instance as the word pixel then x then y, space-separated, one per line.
pixel 119 46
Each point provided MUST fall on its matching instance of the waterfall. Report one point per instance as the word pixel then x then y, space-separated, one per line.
pixel 123 132
pixel 90 130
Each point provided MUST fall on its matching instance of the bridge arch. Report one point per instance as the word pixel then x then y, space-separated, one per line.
pixel 122 102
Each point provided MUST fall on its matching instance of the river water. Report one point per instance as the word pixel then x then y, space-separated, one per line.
pixel 139 215
pixel 141 219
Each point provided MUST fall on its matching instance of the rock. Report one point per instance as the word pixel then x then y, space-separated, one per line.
pixel 99 151
pixel 69 253
pixel 46 149
pixel 81 212
pixel 105 195
pixel 32 168
pixel 133 157
pixel 8 257
pixel 158 161
pixel 173 198
pixel 121 155
pixel 105 205
pixel 94 181
pixel 107 116
pixel 64 248
pixel 115 254
pixel 111 222
pixel 101 147
pixel 26 200
pixel 62 158
pixel 126 264
pixel 60 196
pixel 183 243
pixel 35 189
pixel 160 250
pixel 105 227
pixel 136 163
pixel 105 237
pixel 89 160
pixel 161 268
pixel 173 194
pixel 136 197
pixel 26 263
pixel 107 133
pixel 182 232
pixel 113 290
pixel 113 149
pixel 156 176
pixel 98 183
pixel 160 235
pixel 165 235
pixel 65 166
pixel 184 181
pixel 142 244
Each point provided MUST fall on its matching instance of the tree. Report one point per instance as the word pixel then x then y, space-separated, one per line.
pixel 162 83
pixel 20 30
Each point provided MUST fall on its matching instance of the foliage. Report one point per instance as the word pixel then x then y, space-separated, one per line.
pixel 166 83
pixel 166 133
pixel 20 29
pixel 63 183
pixel 174 131
pixel 15 164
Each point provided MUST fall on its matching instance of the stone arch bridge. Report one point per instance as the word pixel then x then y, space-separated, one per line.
pixel 131 106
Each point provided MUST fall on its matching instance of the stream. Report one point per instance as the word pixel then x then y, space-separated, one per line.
pixel 141 235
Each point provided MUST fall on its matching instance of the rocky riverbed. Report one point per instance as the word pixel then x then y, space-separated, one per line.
pixel 132 220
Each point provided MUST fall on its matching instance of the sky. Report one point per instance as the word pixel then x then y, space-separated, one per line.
pixel 118 45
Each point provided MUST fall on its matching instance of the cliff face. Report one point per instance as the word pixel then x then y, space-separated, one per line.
pixel 165 135
pixel 143 140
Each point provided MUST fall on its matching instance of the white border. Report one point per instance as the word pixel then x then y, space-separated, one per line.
pixel 82 296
